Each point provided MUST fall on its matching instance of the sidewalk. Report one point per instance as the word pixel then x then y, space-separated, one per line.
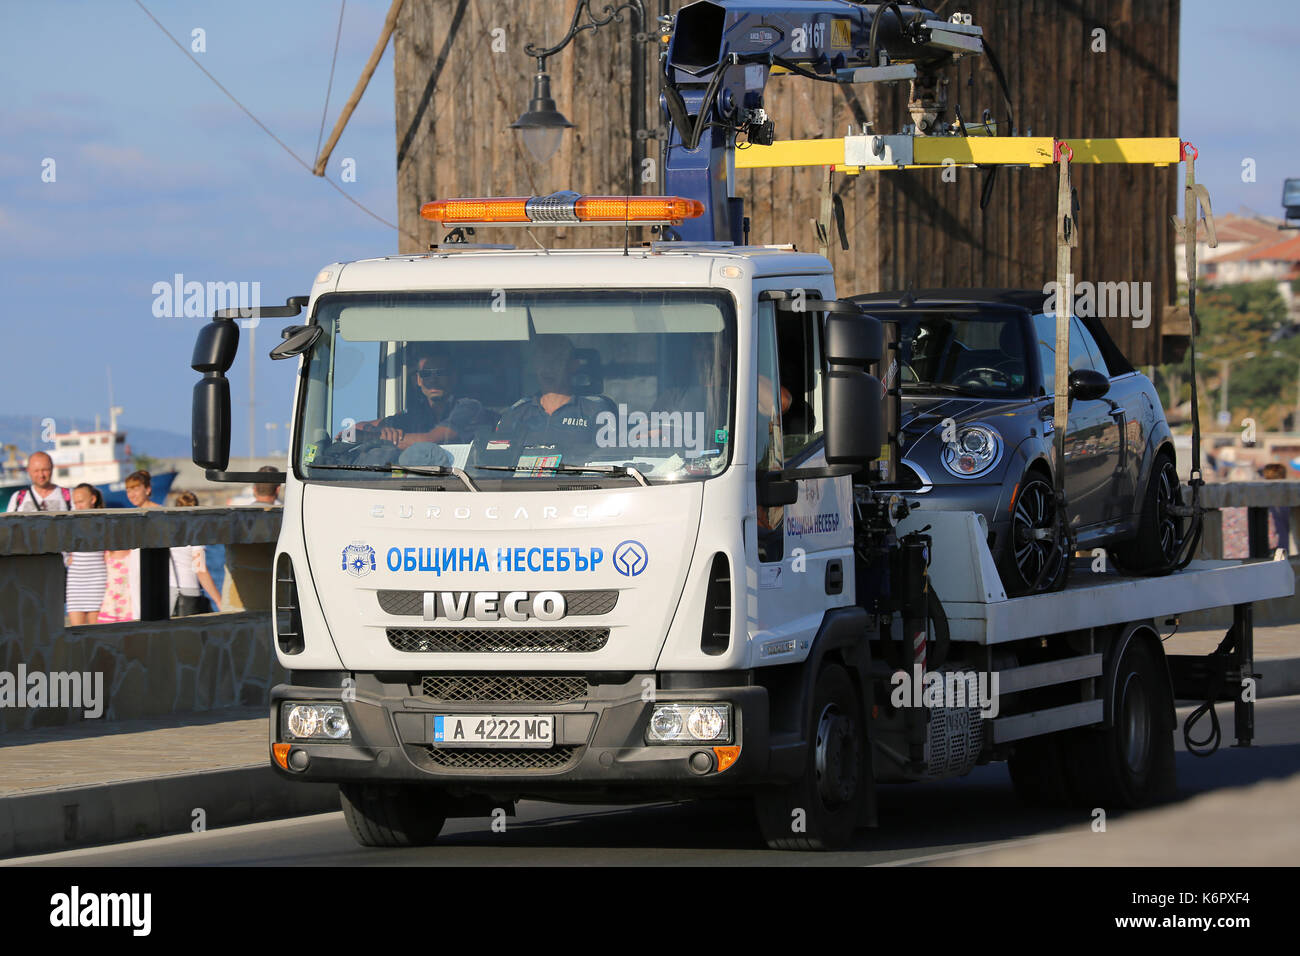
pixel 100 783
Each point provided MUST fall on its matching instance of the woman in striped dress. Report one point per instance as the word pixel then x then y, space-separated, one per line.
pixel 87 572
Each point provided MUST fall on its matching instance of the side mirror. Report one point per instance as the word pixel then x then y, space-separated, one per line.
pixel 855 340
pixel 210 423
pixel 1088 385
pixel 215 348
pixel 775 492
pixel 852 410
pixel 297 339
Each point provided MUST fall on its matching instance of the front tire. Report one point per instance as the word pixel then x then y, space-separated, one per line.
pixel 393 814
pixel 1035 556
pixel 820 810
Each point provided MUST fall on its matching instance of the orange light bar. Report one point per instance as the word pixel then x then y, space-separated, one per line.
pixel 281 754
pixel 726 756
pixel 619 208
pixel 453 211
pixel 563 208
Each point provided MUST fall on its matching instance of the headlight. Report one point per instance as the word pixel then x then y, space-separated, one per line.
pixel 975 451
pixel 690 723
pixel 315 722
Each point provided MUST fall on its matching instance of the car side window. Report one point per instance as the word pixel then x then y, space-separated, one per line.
pixel 1045 334
pixel 1080 357
pixel 1098 361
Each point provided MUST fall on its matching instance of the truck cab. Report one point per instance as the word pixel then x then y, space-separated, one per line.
pixel 539 533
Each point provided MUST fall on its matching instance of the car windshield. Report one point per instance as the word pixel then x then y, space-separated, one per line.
pixel 528 388
pixel 976 351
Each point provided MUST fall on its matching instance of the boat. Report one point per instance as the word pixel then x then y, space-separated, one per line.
pixel 102 458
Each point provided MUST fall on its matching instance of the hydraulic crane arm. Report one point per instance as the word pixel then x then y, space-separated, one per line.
pixel 722 53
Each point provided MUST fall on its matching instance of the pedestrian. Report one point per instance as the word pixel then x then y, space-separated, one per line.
pixel 189 572
pixel 264 492
pixel 1279 516
pixel 87 570
pixel 122 597
pixel 44 494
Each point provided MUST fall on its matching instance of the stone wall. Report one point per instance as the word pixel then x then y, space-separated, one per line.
pixel 148 668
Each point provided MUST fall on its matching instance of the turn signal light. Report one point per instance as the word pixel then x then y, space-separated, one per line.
pixel 565 207
pixel 281 754
pixel 726 756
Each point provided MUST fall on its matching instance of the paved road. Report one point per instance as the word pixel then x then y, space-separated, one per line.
pixel 920 823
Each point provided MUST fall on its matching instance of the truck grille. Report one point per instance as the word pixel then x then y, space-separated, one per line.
pixel 576 603
pixel 498 640
pixel 492 758
pixel 510 688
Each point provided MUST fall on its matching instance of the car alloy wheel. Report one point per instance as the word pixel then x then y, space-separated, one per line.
pixel 1037 543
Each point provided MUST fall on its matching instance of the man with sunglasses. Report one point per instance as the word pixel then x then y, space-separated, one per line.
pixel 433 412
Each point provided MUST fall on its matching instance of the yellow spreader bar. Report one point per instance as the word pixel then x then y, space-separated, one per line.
pixel 931 151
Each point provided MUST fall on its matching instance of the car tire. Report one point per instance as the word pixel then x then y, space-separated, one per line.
pixel 1035 556
pixel 393 814
pixel 820 810
pixel 1160 536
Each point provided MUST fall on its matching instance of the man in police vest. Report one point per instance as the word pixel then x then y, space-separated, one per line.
pixel 554 415
pixel 44 494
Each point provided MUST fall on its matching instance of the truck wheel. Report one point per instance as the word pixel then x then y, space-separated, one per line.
pixel 392 814
pixel 820 810
pixel 1129 764
pixel 1161 534
pixel 1038 771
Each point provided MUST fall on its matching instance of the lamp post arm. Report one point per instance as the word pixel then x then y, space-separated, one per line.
pixel 609 14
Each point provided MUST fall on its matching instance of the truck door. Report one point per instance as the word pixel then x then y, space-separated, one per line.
pixel 803 550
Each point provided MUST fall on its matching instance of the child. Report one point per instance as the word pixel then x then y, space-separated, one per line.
pixel 87 571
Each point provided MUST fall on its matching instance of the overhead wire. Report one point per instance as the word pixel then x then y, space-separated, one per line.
pixel 249 113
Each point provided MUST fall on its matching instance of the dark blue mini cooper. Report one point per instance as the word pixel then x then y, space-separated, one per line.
pixel 976 369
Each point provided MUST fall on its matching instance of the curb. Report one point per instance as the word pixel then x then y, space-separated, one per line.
pixel 1278 676
pixel 68 818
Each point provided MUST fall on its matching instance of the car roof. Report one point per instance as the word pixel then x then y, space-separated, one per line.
pixel 1031 300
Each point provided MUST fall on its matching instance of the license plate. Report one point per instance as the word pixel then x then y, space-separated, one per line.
pixel 494 730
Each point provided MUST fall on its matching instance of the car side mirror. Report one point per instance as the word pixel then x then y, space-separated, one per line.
pixel 1088 385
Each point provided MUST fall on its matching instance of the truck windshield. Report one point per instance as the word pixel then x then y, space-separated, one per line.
pixel 525 388
pixel 982 352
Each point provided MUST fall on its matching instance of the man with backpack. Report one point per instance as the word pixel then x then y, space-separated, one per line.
pixel 44 494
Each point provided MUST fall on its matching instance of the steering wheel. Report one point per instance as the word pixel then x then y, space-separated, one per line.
pixel 972 377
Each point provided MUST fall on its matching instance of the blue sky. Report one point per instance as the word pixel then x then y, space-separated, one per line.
pixel 157 173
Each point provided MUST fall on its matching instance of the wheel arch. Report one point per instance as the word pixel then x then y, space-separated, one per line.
pixel 1124 637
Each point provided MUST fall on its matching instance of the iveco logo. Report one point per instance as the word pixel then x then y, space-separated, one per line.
pixel 630 558
pixel 491 606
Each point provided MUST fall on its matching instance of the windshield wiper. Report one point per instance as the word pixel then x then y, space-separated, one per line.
pixel 621 471
pixel 938 387
pixel 436 471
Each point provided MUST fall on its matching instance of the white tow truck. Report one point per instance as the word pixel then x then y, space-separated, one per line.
pixel 613 525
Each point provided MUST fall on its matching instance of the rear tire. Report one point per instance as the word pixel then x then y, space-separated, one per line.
pixel 1034 558
pixel 820 810
pixel 1160 537
pixel 1129 764
pixel 391 814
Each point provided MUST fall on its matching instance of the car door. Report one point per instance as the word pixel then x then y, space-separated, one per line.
pixel 1123 443
pixel 1090 427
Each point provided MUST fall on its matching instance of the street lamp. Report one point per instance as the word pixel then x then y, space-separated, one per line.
pixel 542 124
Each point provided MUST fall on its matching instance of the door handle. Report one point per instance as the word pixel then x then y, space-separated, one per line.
pixel 834 576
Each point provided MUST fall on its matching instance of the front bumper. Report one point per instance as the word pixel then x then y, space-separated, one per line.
pixel 599 738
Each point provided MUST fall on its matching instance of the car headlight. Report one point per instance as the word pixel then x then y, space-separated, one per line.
pixel 690 724
pixel 974 452
pixel 315 722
